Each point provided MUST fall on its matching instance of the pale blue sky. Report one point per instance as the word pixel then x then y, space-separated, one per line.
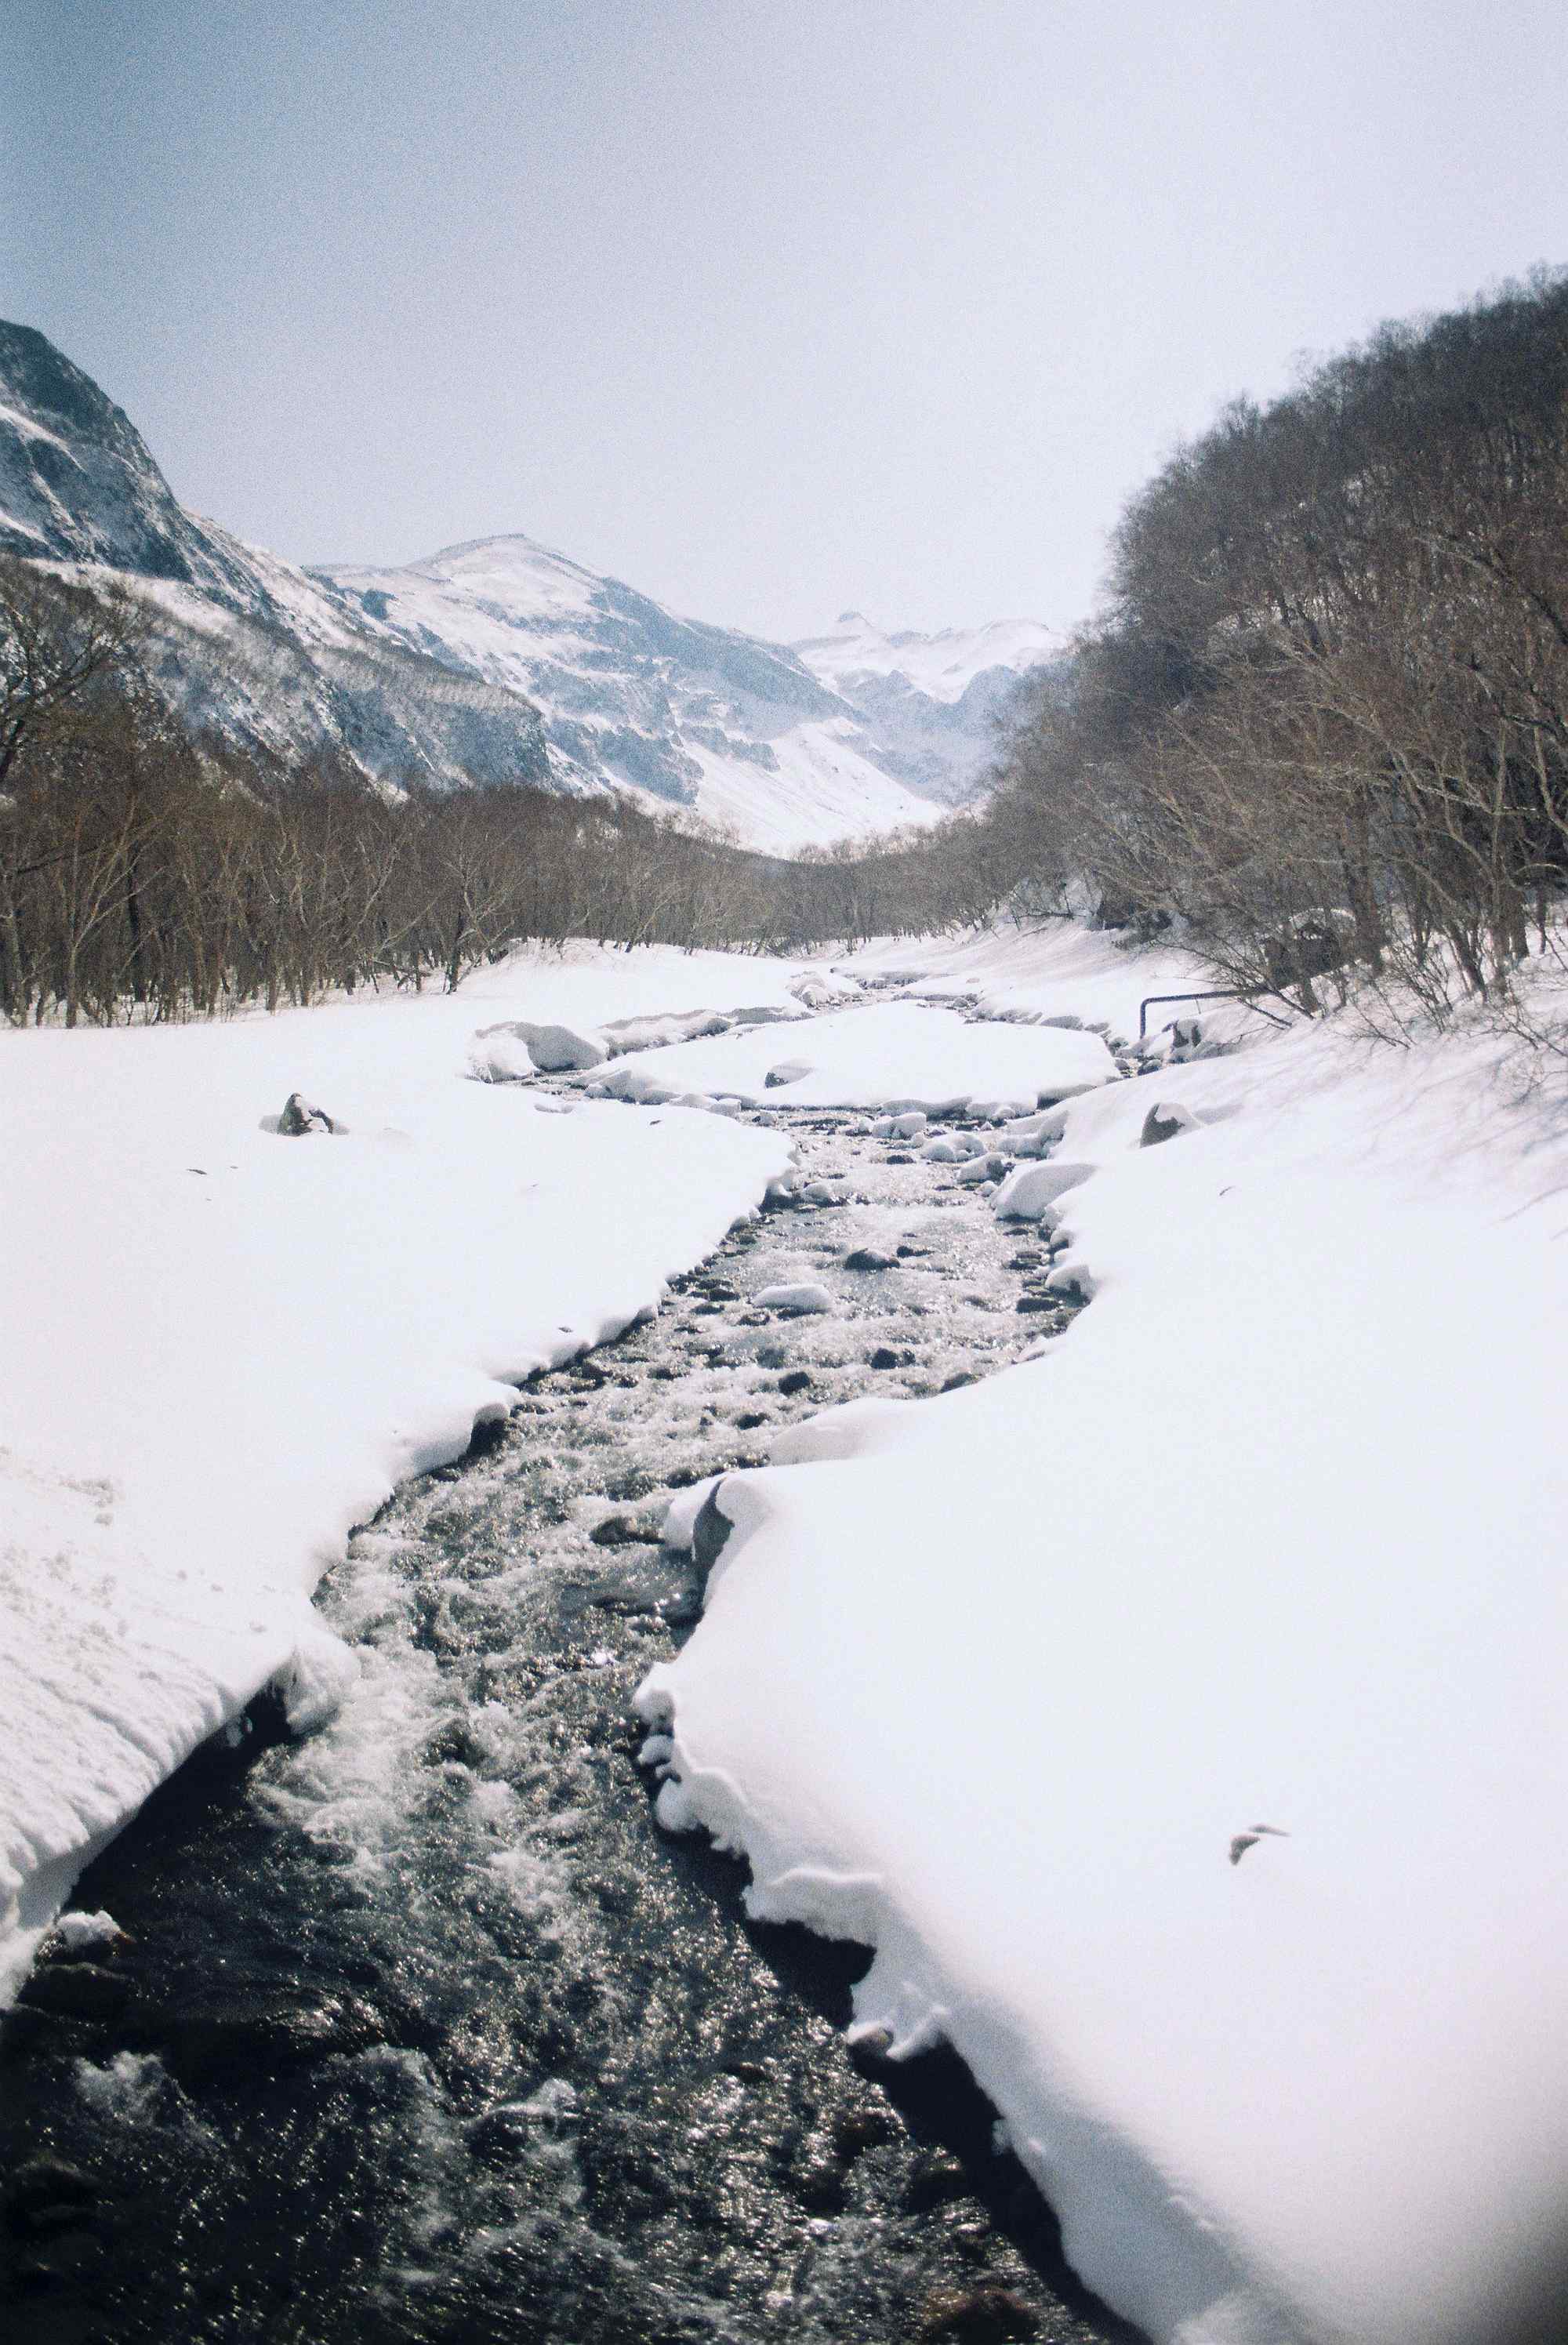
pixel 769 309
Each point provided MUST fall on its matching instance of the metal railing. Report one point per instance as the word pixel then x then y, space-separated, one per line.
pixel 1215 994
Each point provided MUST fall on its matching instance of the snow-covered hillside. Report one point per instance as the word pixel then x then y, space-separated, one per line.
pixel 731 728
pixel 935 701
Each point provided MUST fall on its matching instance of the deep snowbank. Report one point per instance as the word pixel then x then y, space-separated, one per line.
pixel 1272 1536
pixel 222 1347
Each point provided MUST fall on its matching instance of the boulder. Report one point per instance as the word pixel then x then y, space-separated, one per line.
pixel 554 1050
pixel 711 1530
pixel 299 1118
pixel 800 1296
pixel 637 1088
pixel 1166 1120
pixel 1026 1193
pixel 989 1167
pixel 501 1056
pixel 654 1033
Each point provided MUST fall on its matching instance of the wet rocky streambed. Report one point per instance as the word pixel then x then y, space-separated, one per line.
pixel 419 2031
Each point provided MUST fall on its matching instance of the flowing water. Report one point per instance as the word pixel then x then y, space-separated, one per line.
pixel 422 2033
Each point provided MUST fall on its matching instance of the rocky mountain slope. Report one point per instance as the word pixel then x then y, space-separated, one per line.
pixel 736 730
pixel 498 661
pixel 244 643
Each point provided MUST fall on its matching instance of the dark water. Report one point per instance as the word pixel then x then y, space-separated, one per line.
pixel 424 2033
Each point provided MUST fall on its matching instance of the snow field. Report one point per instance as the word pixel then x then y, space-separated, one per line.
pixel 899 1056
pixel 943 666
pixel 224 1347
pixel 994 1681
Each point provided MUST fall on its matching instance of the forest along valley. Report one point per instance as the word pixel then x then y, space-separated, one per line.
pixel 421 2029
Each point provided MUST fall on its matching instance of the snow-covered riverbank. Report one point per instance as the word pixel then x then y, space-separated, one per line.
pixel 1178 1713
pixel 223 1347
pixel 1004 1682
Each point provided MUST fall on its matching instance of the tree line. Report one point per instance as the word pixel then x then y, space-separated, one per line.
pixel 148 872
pixel 1323 720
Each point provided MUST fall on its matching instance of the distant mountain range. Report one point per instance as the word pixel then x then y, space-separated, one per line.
pixel 501 661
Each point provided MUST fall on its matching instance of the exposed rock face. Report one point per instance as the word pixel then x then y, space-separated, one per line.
pixel 77 484
pixel 243 646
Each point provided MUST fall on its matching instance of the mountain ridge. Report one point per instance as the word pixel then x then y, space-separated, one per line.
pixel 494 659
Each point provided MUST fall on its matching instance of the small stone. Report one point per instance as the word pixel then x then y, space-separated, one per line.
pixel 615 1531
pixel 988 2314
pixel 936 2177
pixel 857 2130
pixel 869 1258
pixel 816 2180
pixel 797 1381
pixel 883 1358
pixel 799 1298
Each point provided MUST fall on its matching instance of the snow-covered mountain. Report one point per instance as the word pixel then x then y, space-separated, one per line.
pixel 245 644
pixel 498 661
pixel 738 730
pixel 935 701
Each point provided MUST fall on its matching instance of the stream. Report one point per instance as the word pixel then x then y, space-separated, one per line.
pixel 419 2031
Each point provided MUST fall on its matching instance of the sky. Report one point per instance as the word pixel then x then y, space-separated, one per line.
pixel 772 308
